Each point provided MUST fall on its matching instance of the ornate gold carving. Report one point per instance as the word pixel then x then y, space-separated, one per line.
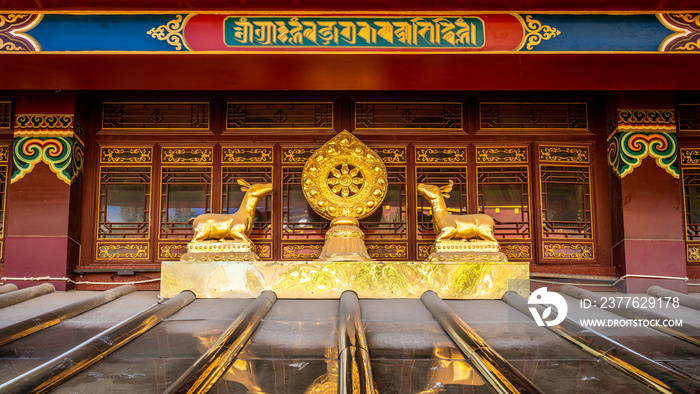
pixel 4 152
pixel 517 251
pixel 568 251
pixel 693 253
pixel 171 32
pixel 441 155
pixel 247 155
pixel 344 178
pixel 536 32
pixel 387 251
pixel 564 154
pixel 297 155
pixel 264 251
pixel 291 252
pixel 501 155
pixel 690 156
pixel 392 155
pixel 122 251
pixel 125 155
pixel 187 155
pixel 424 251
pixel 171 251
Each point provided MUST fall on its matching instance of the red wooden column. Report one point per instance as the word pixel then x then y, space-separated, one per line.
pixel 43 199
pixel 648 230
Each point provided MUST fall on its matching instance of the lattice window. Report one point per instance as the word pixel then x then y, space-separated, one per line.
pixel 689 117
pixel 691 193
pixel 389 220
pixel 155 116
pixel 280 115
pixel 457 203
pixel 185 193
pixel 503 194
pixel 566 202
pixel 125 201
pixel 299 220
pixel 5 114
pixel 408 116
pixel 533 116
pixel 232 195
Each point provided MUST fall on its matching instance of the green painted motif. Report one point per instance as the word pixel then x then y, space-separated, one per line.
pixel 354 32
pixel 64 155
pixel 626 150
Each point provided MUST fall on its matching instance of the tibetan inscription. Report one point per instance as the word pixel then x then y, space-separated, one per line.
pixel 354 32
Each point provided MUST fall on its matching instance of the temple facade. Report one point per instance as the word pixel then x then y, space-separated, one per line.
pixel 576 128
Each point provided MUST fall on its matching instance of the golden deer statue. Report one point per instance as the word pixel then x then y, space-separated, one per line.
pixel 449 226
pixel 236 226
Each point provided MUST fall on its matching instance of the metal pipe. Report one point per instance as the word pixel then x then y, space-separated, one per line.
pixel 354 368
pixel 500 374
pixel 54 372
pixel 45 320
pixel 207 370
pixel 683 299
pixel 643 369
pixel 686 332
pixel 18 296
pixel 7 288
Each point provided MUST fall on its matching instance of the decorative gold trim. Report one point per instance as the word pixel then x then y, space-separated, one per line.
pixel 296 155
pixel 246 155
pixel 392 155
pixel 423 251
pixel 513 155
pixel 111 251
pixel 690 156
pixel 165 251
pixel 171 32
pixel 110 155
pixel 291 251
pixel 187 155
pixel 517 251
pixel 4 154
pixel 536 32
pixel 568 251
pixel 263 250
pixel 693 253
pixel 562 154
pixel 433 155
pixel 399 251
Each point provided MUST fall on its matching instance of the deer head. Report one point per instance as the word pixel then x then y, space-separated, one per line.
pixel 432 192
pixel 255 190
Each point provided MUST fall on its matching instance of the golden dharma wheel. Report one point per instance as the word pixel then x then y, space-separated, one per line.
pixel 344 177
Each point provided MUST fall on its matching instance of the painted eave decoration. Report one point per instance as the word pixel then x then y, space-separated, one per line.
pixel 349 32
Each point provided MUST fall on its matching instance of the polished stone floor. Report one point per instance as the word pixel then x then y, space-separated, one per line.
pixel 294 348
